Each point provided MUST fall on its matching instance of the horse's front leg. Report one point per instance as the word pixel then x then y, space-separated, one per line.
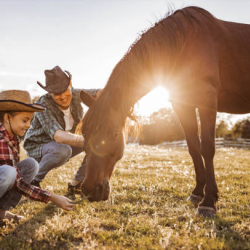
pixel 208 119
pixel 188 120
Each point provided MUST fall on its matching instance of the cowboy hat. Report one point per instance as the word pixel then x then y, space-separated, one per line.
pixel 18 101
pixel 57 81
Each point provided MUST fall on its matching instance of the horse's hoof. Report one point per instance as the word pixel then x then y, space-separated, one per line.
pixel 195 199
pixel 205 211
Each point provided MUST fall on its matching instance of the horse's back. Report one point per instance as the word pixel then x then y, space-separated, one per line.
pixel 234 68
pixel 217 54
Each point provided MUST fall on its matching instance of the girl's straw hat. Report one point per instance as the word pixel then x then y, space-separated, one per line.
pixel 18 101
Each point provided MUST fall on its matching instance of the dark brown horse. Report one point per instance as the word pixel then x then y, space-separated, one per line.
pixel 204 62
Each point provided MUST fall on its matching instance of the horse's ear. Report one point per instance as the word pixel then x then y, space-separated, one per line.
pixel 87 99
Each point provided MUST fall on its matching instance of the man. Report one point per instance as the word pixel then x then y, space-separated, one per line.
pixel 51 139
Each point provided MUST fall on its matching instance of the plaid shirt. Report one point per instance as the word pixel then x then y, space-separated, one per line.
pixel 46 123
pixel 9 155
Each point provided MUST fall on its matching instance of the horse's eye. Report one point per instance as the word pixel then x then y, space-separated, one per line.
pixel 116 134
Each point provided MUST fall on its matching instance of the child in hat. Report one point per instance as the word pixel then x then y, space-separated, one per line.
pixel 16 112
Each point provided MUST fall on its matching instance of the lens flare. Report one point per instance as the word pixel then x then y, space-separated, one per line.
pixel 153 101
pixel 98 148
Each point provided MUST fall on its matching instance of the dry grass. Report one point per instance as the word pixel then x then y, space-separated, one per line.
pixel 147 208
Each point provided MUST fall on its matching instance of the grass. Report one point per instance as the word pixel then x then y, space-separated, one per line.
pixel 147 208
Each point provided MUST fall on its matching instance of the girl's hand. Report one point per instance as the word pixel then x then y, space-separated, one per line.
pixel 62 202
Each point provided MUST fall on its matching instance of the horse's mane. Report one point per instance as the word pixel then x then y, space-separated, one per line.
pixel 163 40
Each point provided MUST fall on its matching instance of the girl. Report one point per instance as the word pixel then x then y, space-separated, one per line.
pixel 16 112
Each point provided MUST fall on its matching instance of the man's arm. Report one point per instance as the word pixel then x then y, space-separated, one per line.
pixel 61 136
pixel 56 132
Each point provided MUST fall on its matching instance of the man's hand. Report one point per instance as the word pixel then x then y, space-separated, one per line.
pixel 64 137
pixel 62 202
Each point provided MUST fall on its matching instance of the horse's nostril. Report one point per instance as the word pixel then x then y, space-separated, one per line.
pixel 107 186
pixel 106 191
pixel 99 190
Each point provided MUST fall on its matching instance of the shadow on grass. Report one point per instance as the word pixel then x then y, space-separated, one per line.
pixel 233 239
pixel 15 240
pixel 226 232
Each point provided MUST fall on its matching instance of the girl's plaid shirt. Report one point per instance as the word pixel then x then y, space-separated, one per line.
pixel 9 155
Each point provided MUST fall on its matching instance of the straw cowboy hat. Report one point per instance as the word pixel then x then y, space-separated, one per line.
pixel 56 80
pixel 18 101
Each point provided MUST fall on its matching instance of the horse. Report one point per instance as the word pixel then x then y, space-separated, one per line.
pixel 204 62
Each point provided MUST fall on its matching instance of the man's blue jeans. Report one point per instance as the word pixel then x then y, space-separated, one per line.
pixel 9 197
pixel 55 155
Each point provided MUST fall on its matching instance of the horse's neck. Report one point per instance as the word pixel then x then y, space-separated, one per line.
pixel 138 87
pixel 142 90
pixel 135 90
pixel 141 71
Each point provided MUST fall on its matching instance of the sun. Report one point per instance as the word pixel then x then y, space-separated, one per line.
pixel 153 101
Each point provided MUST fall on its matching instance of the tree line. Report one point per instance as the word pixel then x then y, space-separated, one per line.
pixel 164 126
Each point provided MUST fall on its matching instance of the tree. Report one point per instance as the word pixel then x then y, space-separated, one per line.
pixel 164 126
pixel 246 129
pixel 221 129
pixel 241 129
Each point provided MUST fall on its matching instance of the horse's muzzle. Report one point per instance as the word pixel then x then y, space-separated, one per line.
pixel 100 192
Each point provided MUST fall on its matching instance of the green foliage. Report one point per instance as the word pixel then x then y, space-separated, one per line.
pixel 241 129
pixel 164 126
pixel 147 208
pixel 221 129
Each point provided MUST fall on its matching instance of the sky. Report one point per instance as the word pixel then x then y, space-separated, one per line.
pixel 86 37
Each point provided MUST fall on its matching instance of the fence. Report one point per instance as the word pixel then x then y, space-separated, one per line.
pixel 219 142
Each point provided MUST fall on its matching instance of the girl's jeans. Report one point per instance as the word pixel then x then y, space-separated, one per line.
pixel 9 197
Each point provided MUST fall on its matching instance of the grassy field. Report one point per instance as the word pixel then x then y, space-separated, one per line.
pixel 147 208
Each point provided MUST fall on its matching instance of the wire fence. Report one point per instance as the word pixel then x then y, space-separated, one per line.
pixel 219 142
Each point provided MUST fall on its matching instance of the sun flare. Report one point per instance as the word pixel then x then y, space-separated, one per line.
pixel 153 101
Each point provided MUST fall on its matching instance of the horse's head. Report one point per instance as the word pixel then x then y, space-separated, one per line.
pixel 103 146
